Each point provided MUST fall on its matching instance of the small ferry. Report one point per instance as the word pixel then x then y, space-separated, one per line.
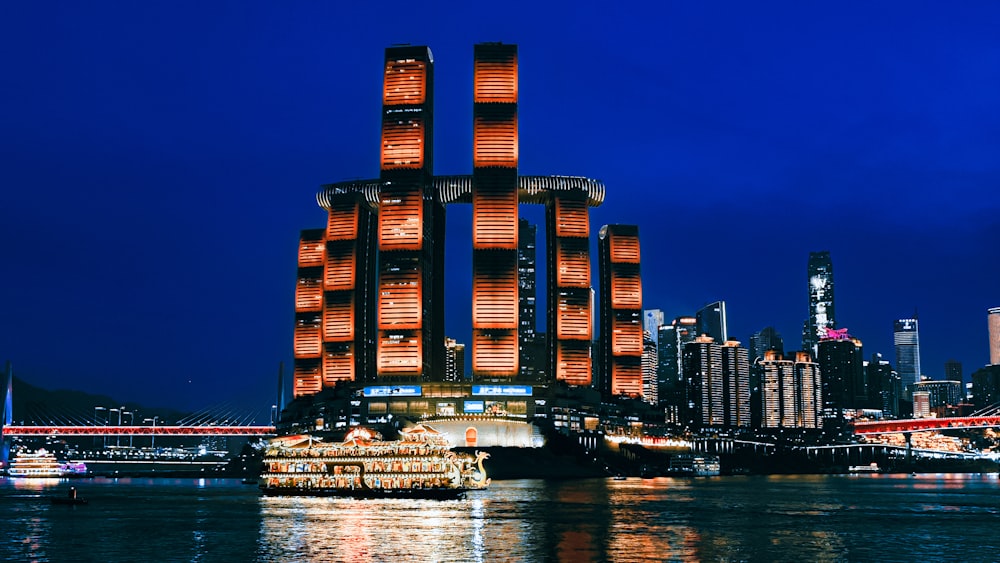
pixel 694 465
pixel 420 464
pixel 870 468
pixel 39 464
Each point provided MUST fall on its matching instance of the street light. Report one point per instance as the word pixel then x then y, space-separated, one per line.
pixel 152 437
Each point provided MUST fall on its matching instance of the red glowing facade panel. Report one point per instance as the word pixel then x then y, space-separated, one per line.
pixel 399 299
pixel 573 316
pixel 572 218
pixel 338 363
pixel 573 260
pixel 309 294
pixel 494 353
pixel 308 377
pixel 338 317
pixel 494 292
pixel 626 335
pixel 626 379
pixel 626 288
pixel 400 354
pixel 403 141
pixel 495 74
pixel 494 212
pixel 572 362
pixel 343 220
pixel 400 222
pixel 311 253
pixel 341 266
pixel 493 206
pixel 405 83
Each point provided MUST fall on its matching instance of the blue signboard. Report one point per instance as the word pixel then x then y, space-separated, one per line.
pixel 502 390
pixel 474 406
pixel 393 391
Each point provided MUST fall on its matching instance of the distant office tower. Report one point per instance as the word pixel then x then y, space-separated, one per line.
pixel 921 404
pixel 841 365
pixel 790 391
pixel 651 321
pixel 526 294
pixel 621 311
pixel 454 360
pixel 884 386
pixel 941 393
pixel 670 350
pixel 953 370
pixel 410 223
pixel 764 340
pixel 986 386
pixel 907 340
pixel 993 318
pixel 650 383
pixel 495 345
pixel 712 321
pixel 821 305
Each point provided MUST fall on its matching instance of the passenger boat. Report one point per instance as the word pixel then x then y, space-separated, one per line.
pixel 420 464
pixel 694 465
pixel 871 468
pixel 34 465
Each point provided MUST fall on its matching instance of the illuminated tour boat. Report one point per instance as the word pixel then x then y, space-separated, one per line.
pixel 420 464
pixel 35 464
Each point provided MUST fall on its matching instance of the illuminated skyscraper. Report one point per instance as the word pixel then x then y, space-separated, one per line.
pixel 790 391
pixel 621 311
pixel 454 360
pixel 712 321
pixel 821 305
pixel 841 364
pixel 532 345
pixel 410 223
pixel 764 340
pixel 651 321
pixel 884 387
pixel 993 320
pixel 906 338
pixel 736 384
pixel 650 381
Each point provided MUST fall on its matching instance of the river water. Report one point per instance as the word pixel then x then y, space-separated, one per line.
pixel 931 517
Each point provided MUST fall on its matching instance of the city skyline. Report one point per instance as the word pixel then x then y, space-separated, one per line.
pixel 157 187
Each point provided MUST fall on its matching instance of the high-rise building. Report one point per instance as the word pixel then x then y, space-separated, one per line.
pixel 454 360
pixel 651 321
pixel 711 321
pixel 410 223
pixel 953 370
pixel 993 320
pixel 986 386
pixel 621 311
pixel 736 384
pixel 650 382
pixel 790 394
pixel 906 338
pixel 941 393
pixel 841 365
pixel 884 386
pixel 718 382
pixel 821 304
pixel 531 355
pixel 763 340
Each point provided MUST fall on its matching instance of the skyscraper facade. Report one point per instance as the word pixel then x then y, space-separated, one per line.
pixel 454 360
pixel 650 381
pixel 993 321
pixel 791 394
pixel 906 338
pixel 735 384
pixel 821 304
pixel 884 386
pixel 532 348
pixel 841 364
pixel 763 340
pixel 621 311
pixel 652 319
pixel 712 322
pixel 718 382
pixel 953 370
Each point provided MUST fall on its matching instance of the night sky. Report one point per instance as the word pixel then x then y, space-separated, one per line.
pixel 158 160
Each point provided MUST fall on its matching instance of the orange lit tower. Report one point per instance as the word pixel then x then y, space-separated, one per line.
pixel 567 248
pixel 308 338
pixel 621 311
pixel 410 223
pixel 494 212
